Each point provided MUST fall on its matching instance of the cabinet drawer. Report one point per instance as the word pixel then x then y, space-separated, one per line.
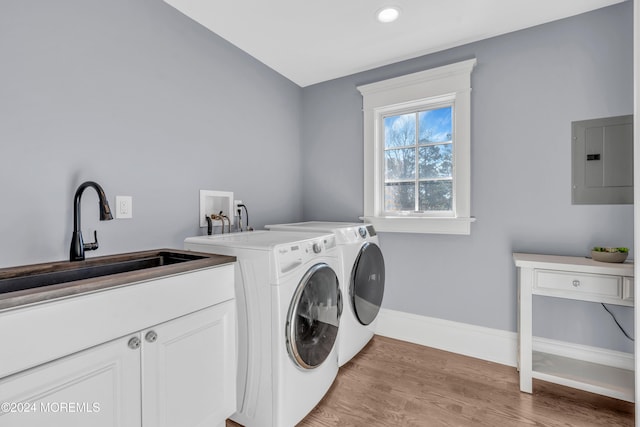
pixel 589 287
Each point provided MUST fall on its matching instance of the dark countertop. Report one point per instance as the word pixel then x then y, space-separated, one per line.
pixel 77 287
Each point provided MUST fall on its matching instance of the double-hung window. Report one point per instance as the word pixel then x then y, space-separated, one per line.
pixel 417 151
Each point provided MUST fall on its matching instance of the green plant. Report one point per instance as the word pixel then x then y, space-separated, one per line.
pixel 602 249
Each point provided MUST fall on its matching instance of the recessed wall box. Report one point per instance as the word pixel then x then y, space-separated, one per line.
pixel 213 202
pixel 602 161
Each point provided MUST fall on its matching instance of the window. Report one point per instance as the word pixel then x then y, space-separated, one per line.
pixel 417 151
pixel 418 161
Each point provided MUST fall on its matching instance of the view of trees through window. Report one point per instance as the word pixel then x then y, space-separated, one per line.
pixel 418 161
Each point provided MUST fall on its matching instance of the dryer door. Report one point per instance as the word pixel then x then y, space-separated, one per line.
pixel 313 318
pixel 367 283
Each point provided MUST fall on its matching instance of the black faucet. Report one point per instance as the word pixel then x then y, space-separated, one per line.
pixel 76 253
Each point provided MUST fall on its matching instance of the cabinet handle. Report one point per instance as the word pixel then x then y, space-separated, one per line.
pixel 576 283
pixel 151 336
pixel 134 343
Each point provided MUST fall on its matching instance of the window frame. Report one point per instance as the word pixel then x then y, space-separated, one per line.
pixel 450 84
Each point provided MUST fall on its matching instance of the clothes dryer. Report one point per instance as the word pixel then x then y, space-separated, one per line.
pixel 362 282
pixel 289 307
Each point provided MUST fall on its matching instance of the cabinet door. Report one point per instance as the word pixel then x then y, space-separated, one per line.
pixel 98 387
pixel 189 369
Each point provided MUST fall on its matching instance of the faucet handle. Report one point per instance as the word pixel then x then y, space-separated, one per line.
pixel 93 245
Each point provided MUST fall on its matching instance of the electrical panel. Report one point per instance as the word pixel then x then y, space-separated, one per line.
pixel 602 161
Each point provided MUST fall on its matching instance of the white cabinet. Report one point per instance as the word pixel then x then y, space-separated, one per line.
pixel 574 278
pixel 181 372
pixel 188 369
pixel 98 387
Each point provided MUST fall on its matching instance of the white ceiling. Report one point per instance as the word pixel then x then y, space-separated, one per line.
pixel 313 41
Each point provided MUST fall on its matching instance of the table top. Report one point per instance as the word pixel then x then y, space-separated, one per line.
pixel 572 263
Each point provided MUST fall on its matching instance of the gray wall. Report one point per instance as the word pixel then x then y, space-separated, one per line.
pixel 527 88
pixel 136 96
pixel 148 103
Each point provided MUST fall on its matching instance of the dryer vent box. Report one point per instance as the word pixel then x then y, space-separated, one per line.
pixel 602 161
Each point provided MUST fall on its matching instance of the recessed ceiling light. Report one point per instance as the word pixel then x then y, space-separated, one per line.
pixel 388 14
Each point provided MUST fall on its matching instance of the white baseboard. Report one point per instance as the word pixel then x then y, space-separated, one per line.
pixel 476 341
pixel 494 345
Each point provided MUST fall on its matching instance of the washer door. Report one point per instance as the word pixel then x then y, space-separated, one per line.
pixel 314 316
pixel 367 283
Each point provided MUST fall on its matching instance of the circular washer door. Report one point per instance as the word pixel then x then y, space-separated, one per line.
pixel 367 283
pixel 314 316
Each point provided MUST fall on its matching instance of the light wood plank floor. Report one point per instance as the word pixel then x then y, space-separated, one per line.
pixel 395 383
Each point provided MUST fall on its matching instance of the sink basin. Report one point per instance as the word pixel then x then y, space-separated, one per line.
pixel 30 277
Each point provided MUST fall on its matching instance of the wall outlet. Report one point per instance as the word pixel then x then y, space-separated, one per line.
pixel 124 207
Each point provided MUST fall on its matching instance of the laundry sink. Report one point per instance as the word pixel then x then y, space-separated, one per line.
pixel 83 270
pixel 38 282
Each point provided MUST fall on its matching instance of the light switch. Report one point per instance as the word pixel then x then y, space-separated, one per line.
pixel 124 207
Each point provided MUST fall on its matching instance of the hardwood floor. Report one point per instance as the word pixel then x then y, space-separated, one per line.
pixel 395 383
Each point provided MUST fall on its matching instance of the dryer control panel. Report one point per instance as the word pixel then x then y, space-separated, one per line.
pixel 371 230
pixel 355 234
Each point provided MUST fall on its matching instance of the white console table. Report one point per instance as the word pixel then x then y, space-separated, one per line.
pixel 576 278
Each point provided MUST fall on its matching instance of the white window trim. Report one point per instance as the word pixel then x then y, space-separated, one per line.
pixel 451 82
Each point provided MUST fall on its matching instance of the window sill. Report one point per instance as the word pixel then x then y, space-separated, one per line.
pixel 421 225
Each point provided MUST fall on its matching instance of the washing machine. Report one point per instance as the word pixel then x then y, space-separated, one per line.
pixel 362 282
pixel 289 307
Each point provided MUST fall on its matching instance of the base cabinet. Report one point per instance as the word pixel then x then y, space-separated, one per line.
pixel 188 369
pixel 180 373
pixel 98 387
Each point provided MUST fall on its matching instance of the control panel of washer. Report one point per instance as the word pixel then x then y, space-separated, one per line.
pixel 290 256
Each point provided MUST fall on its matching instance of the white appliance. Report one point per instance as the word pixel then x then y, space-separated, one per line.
pixel 362 282
pixel 289 306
